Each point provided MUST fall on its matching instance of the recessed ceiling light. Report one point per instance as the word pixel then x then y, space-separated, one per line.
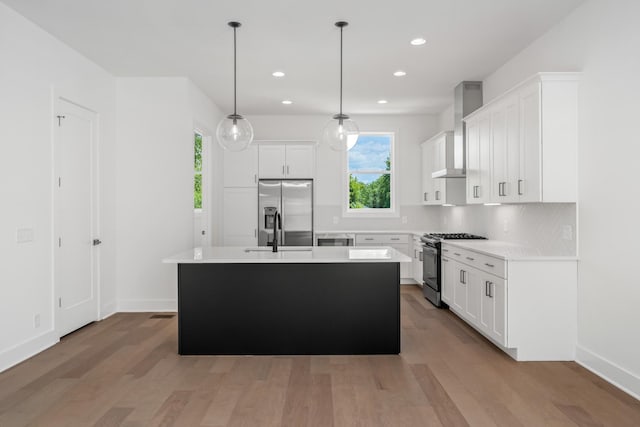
pixel 287 102
pixel 419 41
pixel 277 74
pixel 382 101
pixel 399 73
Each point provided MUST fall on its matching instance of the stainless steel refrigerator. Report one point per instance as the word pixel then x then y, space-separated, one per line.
pixel 293 200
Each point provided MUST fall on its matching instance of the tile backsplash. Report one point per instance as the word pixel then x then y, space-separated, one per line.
pixel 549 227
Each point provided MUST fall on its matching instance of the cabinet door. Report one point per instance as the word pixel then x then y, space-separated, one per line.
pixel 241 168
pixel 493 308
pixel 505 149
pixel 529 184
pixel 271 161
pixel 459 288
pixel 417 263
pixel 473 161
pixel 484 155
pixel 300 161
pixel 427 168
pixel 448 280
pixel 240 216
pixel 473 282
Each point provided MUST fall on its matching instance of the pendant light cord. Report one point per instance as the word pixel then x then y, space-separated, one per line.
pixel 234 73
pixel 341 70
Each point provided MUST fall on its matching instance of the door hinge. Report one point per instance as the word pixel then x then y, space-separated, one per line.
pixel 60 120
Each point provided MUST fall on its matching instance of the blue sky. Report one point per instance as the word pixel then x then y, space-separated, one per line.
pixel 370 152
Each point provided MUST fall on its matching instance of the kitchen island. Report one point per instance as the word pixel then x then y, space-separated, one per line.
pixel 300 300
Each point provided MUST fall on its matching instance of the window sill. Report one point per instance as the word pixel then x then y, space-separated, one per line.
pixel 370 213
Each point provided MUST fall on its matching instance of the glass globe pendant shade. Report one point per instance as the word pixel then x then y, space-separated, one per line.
pixel 234 133
pixel 340 133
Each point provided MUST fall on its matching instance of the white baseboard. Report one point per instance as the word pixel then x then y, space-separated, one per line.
pixel 108 310
pixel 21 352
pixel 616 375
pixel 147 305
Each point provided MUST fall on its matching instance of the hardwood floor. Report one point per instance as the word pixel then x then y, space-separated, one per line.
pixel 124 371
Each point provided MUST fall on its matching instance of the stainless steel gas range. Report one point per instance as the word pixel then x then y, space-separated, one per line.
pixel 432 260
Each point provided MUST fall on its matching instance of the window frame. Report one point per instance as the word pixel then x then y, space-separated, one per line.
pixel 392 211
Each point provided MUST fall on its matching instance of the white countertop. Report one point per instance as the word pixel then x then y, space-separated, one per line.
pixel 507 250
pixel 414 232
pixel 286 254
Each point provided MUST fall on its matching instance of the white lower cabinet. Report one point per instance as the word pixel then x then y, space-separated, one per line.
pixel 526 306
pixel 416 264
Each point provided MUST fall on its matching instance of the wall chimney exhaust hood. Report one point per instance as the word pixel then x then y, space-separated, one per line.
pixel 467 99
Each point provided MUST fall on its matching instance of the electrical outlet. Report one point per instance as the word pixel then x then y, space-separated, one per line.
pixel 506 226
pixel 567 232
pixel 36 321
pixel 404 219
pixel 25 235
pixel 335 220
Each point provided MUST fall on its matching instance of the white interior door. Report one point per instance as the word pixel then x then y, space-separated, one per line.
pixel 75 221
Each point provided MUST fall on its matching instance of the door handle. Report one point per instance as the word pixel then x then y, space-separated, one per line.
pixel 520 187
pixel 97 242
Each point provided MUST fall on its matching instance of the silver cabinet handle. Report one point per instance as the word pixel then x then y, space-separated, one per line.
pixel 420 256
pixel 464 277
pixel 456 254
pixel 461 281
pixel 470 259
pixel 424 197
pixel 445 250
pixel 489 265
pixel 368 238
pixel 395 238
pixel 487 289
pixel 415 253
pixel 445 260
pixel 282 169
pixel 500 189
pixel 287 169
pixel 437 194
pixel 520 188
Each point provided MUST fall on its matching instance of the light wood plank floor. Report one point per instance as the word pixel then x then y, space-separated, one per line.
pixel 125 371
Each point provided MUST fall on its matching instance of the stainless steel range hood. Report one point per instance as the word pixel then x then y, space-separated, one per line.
pixel 467 99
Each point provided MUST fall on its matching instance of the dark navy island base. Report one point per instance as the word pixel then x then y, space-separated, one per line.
pixel 295 308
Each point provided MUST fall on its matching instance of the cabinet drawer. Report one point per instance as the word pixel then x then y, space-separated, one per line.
pixel 381 239
pixel 486 263
pixel 489 264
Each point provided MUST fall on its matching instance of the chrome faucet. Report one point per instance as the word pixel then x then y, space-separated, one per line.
pixel 277 223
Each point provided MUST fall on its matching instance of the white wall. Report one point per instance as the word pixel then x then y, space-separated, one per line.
pixel 410 131
pixel 34 63
pixel 603 40
pixel 155 123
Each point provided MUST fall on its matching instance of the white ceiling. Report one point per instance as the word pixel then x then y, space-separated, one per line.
pixel 466 40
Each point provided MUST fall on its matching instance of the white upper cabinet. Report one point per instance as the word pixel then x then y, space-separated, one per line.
pixel 522 147
pixel 478 180
pixel 241 168
pixel 286 161
pixel 440 191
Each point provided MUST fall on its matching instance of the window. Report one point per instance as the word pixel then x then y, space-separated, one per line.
pixel 197 172
pixel 370 167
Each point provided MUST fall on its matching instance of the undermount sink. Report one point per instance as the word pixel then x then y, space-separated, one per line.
pixel 281 249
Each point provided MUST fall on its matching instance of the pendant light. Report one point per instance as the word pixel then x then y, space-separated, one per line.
pixel 234 132
pixel 340 133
